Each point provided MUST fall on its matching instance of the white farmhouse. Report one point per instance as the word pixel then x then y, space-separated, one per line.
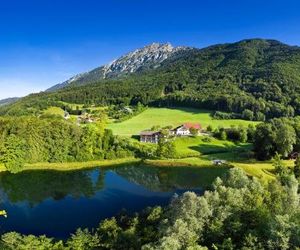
pixel 184 129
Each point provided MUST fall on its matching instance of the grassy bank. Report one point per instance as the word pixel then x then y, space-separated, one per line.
pixel 262 170
pixel 69 166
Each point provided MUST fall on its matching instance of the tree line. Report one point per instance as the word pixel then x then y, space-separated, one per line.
pixel 280 135
pixel 32 139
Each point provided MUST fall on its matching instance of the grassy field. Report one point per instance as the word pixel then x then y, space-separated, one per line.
pixel 174 117
pixel 198 146
pixel 54 111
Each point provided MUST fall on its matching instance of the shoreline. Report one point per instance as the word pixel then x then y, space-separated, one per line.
pixel 71 166
pixel 262 170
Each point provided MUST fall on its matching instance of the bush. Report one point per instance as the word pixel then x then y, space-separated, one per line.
pixel 225 116
pixel 248 115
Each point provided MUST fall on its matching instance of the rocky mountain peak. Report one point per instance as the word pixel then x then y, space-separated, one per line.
pixel 150 55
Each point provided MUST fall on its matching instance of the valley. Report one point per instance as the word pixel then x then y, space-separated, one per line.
pixel 190 151
pixel 162 139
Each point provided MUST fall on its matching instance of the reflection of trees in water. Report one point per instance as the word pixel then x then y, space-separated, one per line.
pixel 36 186
pixel 170 178
pixel 144 176
pixel 100 184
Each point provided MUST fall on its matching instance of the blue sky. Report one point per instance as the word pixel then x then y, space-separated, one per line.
pixel 44 42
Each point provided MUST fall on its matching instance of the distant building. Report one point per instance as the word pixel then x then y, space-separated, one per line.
pixel 219 162
pixel 128 110
pixel 184 129
pixel 86 118
pixel 150 136
pixel 66 115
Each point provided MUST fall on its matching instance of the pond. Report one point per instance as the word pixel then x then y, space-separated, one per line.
pixel 57 203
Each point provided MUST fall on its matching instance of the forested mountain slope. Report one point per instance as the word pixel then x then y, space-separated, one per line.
pixel 259 75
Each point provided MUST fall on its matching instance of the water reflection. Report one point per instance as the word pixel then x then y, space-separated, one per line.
pixel 56 203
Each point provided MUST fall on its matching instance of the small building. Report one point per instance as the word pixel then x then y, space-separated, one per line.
pixel 184 129
pixel 218 162
pixel 150 136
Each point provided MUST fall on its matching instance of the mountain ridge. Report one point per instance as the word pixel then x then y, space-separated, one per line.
pixel 259 76
pixel 150 56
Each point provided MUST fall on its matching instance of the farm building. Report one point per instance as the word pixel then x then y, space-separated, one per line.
pixel 185 129
pixel 150 136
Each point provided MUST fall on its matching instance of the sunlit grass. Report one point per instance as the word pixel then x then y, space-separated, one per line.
pixel 197 146
pixel 68 166
pixel 54 111
pixel 174 117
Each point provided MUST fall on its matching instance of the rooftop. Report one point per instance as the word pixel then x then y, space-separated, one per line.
pixel 149 132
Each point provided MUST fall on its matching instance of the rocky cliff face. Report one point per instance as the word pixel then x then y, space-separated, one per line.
pixel 149 57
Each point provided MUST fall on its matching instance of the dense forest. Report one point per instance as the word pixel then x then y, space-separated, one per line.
pixel 237 213
pixel 31 140
pixel 259 76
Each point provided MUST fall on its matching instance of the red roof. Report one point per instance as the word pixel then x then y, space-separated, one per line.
pixel 189 125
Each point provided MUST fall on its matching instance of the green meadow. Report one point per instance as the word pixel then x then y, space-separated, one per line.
pixel 199 146
pixel 168 116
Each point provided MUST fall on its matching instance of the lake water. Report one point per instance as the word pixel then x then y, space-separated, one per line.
pixel 56 203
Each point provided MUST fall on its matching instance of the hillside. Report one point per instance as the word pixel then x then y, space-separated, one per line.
pixel 256 75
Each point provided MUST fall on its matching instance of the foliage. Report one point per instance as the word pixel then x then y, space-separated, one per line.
pixel 166 148
pixel 247 114
pixel 194 131
pixel 121 112
pixel 31 139
pixel 236 134
pixel 297 168
pixel 277 135
pixel 13 153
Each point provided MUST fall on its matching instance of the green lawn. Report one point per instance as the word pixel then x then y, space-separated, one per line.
pixel 54 111
pixel 174 117
pixel 193 151
pixel 197 146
